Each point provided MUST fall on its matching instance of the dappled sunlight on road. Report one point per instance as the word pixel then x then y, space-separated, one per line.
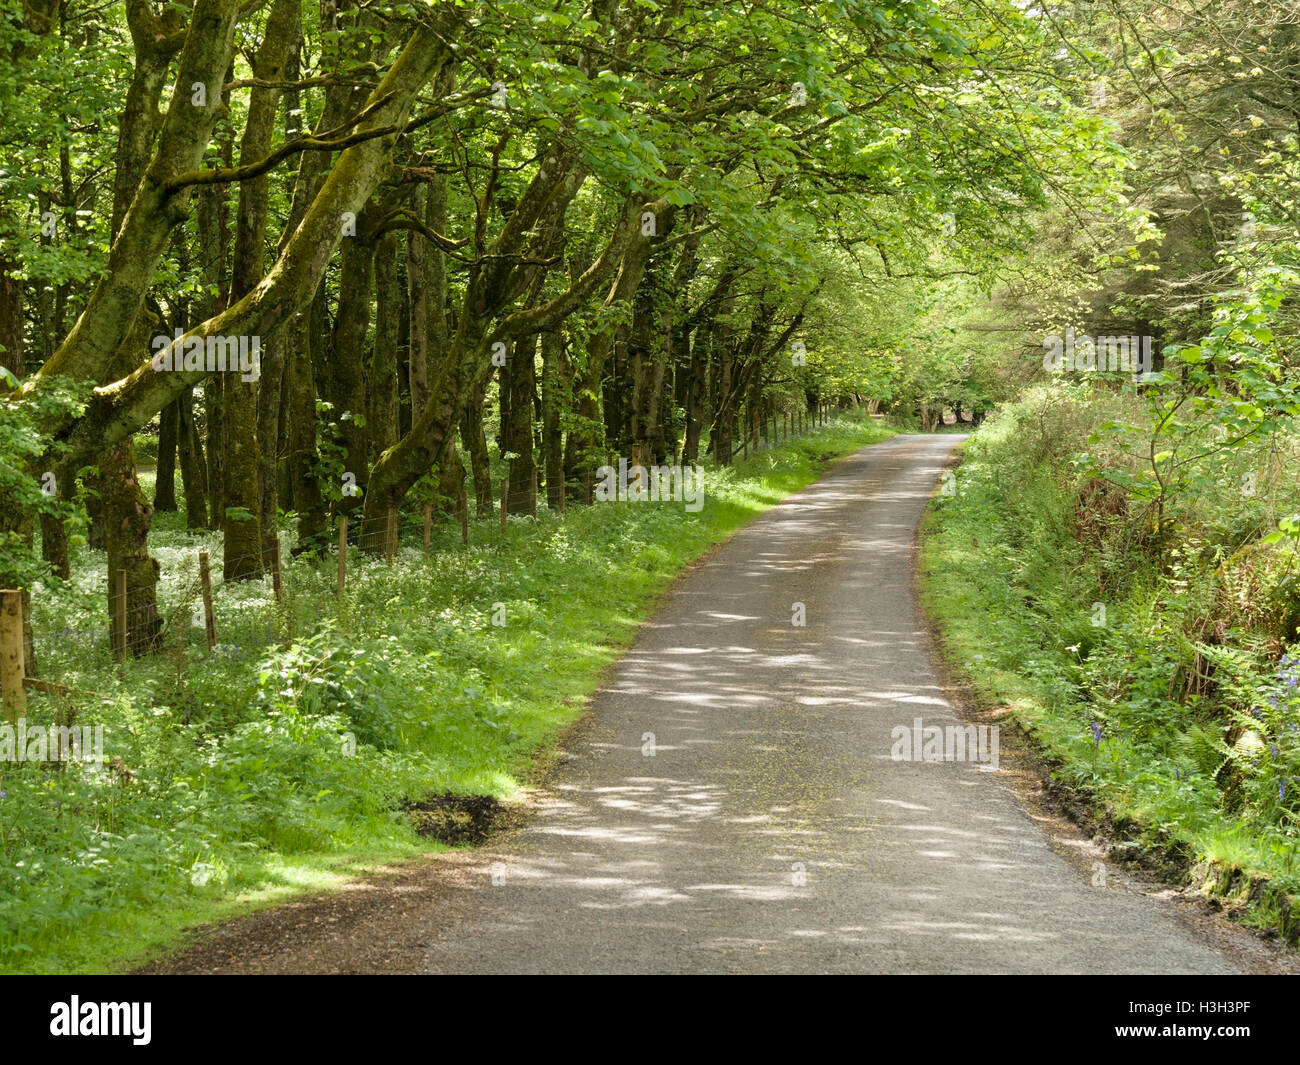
pixel 736 802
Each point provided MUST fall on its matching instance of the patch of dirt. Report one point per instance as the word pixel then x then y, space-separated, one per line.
pixel 460 820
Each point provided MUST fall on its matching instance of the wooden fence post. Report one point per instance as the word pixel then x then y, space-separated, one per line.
pixel 532 494
pixel 428 525
pixel 12 694
pixel 505 499
pixel 343 553
pixel 464 516
pixel 390 535
pixel 205 588
pixel 119 615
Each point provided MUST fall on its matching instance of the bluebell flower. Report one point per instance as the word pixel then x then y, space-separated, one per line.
pixel 1096 734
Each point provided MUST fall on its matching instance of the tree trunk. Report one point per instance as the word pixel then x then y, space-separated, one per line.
pixel 356 281
pixel 113 313
pixel 555 383
pixel 250 482
pixel 128 517
pixel 427 280
pixel 383 366
pixel 474 442
pixel 269 400
pixel 190 447
pixel 696 394
pixel 164 495
pixel 724 420
pixel 651 348
pixel 54 533
pixel 417 301
pixel 211 219
pixel 517 432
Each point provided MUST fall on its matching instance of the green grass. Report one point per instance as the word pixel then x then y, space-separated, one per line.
pixel 280 762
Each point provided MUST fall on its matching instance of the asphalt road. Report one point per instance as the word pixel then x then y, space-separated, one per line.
pixel 771 829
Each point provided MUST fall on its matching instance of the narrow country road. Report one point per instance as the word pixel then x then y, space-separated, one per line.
pixel 769 830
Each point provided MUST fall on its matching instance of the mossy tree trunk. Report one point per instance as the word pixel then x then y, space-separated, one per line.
pixel 164 494
pixel 555 386
pixel 141 223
